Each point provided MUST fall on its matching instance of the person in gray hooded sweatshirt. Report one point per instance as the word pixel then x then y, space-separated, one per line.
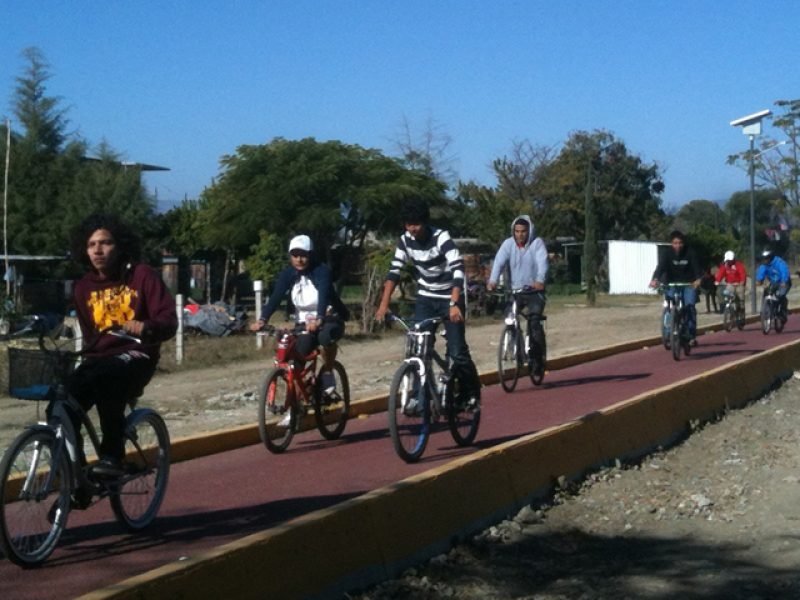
pixel 525 257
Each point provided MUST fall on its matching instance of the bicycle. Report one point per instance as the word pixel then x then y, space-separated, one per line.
pixel 45 474
pixel 290 389
pixel 517 347
pixel 420 394
pixel 674 322
pixel 732 308
pixel 773 310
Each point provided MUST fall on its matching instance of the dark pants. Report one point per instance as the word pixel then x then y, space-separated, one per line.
pixel 331 330
pixel 110 383
pixel 457 348
pixel 533 303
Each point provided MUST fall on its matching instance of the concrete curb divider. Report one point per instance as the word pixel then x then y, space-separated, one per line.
pixel 375 536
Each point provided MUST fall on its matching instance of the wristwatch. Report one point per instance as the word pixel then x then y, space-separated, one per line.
pixel 453 303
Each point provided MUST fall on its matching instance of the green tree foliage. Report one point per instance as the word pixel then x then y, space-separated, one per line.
pixel 334 192
pixel 701 212
pixel 267 258
pixel 766 206
pixel 626 190
pixel 52 183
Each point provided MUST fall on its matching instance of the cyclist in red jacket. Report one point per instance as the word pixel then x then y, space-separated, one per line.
pixel 734 274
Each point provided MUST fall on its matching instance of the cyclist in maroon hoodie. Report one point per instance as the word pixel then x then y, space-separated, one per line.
pixel 117 292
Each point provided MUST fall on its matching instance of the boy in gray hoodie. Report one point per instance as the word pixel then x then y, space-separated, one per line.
pixel 525 257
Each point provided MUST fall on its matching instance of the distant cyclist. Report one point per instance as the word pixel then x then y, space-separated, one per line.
pixel 525 256
pixel 679 265
pixel 733 272
pixel 776 271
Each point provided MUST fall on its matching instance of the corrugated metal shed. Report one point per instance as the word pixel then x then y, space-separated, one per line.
pixel 630 266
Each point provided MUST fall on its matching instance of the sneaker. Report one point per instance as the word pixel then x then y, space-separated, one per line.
pixel 107 468
pixel 412 408
pixel 693 342
pixel 327 383
pixel 286 420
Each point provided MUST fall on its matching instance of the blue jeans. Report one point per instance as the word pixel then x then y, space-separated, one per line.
pixel 457 348
pixel 689 300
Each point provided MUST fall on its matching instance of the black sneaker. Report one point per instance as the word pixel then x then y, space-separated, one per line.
pixel 107 468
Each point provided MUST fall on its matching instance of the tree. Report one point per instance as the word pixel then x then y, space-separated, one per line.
pixel 626 190
pixel 776 163
pixel 336 193
pixel 428 152
pixel 701 212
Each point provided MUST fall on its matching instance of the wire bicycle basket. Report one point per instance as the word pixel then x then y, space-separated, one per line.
pixel 35 375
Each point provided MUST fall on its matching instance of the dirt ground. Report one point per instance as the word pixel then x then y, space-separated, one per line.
pixel 715 517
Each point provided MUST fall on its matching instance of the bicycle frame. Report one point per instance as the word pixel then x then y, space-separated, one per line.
pixel 421 353
pixel 300 370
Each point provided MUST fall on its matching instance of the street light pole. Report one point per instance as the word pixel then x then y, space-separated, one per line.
pixel 751 127
pixel 752 225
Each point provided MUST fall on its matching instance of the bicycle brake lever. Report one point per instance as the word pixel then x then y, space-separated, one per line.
pixel 123 335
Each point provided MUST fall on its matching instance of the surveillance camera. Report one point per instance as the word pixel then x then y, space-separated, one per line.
pixel 750 119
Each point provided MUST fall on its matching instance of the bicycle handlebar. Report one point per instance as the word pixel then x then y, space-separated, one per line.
pixel 409 324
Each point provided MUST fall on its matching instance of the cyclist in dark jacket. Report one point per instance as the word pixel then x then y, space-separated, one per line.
pixel 679 265
pixel 318 308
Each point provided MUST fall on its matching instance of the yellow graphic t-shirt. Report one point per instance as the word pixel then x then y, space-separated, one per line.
pixel 111 306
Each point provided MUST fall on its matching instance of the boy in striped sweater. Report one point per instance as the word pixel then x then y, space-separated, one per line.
pixel 439 274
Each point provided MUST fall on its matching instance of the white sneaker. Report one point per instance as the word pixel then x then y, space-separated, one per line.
pixel 286 420
pixel 327 382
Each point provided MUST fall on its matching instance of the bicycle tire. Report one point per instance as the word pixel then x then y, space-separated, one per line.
pixel 32 520
pixel 766 316
pixel 728 317
pixel 462 419
pixel 409 427
pixel 508 359
pixel 275 397
pixel 536 370
pixel 780 319
pixel 137 497
pixel 331 411
pixel 675 334
pixel 666 328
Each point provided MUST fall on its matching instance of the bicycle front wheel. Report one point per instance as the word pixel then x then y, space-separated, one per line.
pixel 275 397
pixel 331 409
pixel 666 328
pixel 728 317
pixel 508 362
pixel 463 417
pixel 767 316
pixel 34 494
pixel 137 497
pixel 409 414
pixel 675 333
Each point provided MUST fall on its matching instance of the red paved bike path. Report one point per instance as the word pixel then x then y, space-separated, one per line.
pixel 220 498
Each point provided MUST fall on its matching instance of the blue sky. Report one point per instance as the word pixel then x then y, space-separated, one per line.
pixel 183 83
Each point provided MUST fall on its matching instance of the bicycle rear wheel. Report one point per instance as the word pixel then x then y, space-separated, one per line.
pixel 767 316
pixel 463 418
pixel 34 496
pixel 508 363
pixel 332 409
pixel 675 334
pixel 275 397
pixel 137 497
pixel 409 414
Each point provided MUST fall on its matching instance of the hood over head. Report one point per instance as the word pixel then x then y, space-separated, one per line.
pixel 531 229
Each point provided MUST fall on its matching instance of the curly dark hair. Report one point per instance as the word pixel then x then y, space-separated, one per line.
pixel 415 211
pixel 126 240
